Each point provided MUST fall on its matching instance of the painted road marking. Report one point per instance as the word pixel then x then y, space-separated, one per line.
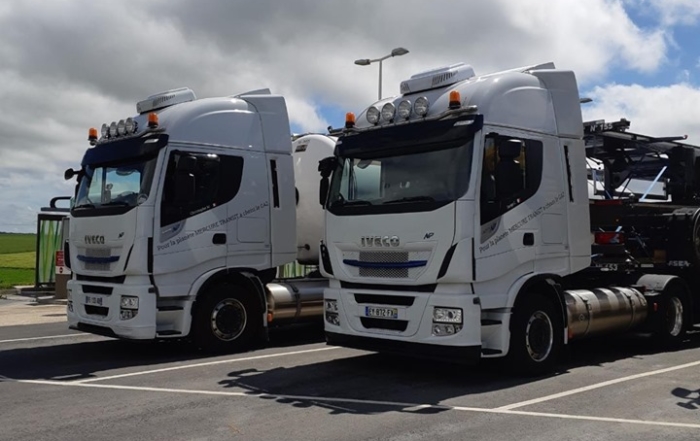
pixel 208 363
pixel 597 386
pixel 45 338
pixel 407 406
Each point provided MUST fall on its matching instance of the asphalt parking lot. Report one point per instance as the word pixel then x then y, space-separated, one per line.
pixel 57 384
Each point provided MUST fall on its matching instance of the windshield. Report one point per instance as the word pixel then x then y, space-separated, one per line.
pixel 418 181
pixel 117 175
pixel 125 185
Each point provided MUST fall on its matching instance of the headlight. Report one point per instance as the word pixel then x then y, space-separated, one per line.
pixel 113 129
pixel 129 302
pixel 331 305
pixel 388 112
pixel 372 115
pixel 105 130
pixel 129 125
pixel 421 106
pixel 121 128
pixel 447 315
pixel 404 109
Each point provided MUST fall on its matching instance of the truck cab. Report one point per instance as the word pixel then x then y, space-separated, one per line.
pixel 457 214
pixel 182 214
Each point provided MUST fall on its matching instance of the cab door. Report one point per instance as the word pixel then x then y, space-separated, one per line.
pixel 248 214
pixel 190 231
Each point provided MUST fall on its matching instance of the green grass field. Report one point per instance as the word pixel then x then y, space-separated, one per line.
pixel 17 259
pixel 11 243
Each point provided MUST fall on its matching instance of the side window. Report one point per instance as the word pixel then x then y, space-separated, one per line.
pixel 197 182
pixel 367 180
pixel 511 173
pixel 361 180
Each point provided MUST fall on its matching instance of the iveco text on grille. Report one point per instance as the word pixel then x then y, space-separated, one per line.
pixel 379 241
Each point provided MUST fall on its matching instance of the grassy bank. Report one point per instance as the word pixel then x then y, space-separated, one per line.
pixel 17 259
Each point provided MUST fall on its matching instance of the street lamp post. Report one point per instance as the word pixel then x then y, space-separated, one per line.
pixel 366 62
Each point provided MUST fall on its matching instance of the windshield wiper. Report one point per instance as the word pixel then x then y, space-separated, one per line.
pixel 411 199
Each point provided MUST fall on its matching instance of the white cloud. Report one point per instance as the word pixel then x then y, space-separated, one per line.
pixel 672 12
pixel 68 65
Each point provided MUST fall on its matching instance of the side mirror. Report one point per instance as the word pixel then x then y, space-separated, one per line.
pixel 323 191
pixel 69 173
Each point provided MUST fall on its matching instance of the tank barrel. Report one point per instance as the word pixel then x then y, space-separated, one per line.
pixel 604 310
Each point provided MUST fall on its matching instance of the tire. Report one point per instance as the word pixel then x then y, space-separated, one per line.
pixel 227 318
pixel 536 337
pixel 672 323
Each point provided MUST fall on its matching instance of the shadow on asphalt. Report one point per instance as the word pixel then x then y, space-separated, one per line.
pixel 366 377
pixel 402 380
pixel 80 361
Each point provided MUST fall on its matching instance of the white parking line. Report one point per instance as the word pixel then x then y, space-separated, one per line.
pixel 207 363
pixel 597 386
pixel 45 338
pixel 405 406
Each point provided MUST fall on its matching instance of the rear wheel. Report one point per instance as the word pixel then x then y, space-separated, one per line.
pixel 536 337
pixel 226 319
pixel 672 323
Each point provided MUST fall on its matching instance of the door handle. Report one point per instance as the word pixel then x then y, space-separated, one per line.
pixel 219 239
pixel 528 239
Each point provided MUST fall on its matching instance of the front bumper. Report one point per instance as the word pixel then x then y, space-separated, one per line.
pixel 95 308
pixel 454 354
pixel 411 332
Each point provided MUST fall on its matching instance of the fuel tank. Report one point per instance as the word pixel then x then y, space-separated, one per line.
pixel 604 310
pixel 296 300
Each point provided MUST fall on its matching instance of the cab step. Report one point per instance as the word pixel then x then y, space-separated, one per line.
pixel 169 332
pixel 170 308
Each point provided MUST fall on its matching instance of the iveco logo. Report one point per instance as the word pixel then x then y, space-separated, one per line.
pixel 94 239
pixel 379 241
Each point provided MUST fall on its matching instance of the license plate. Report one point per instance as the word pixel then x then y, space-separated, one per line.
pixel 94 300
pixel 375 311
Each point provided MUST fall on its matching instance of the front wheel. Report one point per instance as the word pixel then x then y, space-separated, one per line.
pixel 536 337
pixel 226 319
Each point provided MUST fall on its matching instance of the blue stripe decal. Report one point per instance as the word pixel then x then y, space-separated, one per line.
pixel 409 264
pixel 87 259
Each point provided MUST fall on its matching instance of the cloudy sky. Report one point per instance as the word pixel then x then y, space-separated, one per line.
pixel 67 65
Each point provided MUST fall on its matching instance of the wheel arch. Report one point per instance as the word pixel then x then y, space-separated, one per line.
pixel 663 283
pixel 548 285
pixel 247 277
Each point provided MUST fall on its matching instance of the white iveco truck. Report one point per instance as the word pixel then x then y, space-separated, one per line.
pixel 183 215
pixel 458 226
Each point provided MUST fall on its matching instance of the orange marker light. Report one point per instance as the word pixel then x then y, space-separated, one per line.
pixel 349 120
pixel 92 134
pixel 455 100
pixel 152 120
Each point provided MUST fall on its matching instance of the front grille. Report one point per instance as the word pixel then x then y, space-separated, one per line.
pixel 98 252
pixel 386 264
pixel 97 310
pixel 388 273
pixel 381 299
pixel 391 325
pixel 96 266
pixel 94 289
pixel 383 256
pixel 98 259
